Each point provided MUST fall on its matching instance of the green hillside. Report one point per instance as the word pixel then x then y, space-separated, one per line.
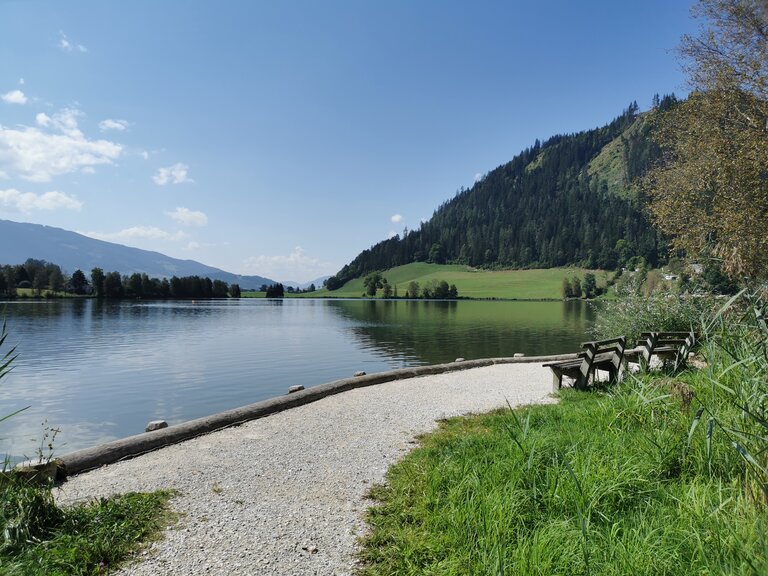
pixel 620 162
pixel 472 282
pixel 571 201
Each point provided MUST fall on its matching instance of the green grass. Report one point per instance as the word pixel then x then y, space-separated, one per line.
pixel 610 166
pixel 612 484
pixel 39 538
pixel 45 293
pixel 252 294
pixel 474 283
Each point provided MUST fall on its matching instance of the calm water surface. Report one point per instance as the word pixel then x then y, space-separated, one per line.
pixel 102 370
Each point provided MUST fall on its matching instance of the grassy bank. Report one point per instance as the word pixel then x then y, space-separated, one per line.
pixel 40 538
pixel 470 282
pixel 660 475
pixel 596 485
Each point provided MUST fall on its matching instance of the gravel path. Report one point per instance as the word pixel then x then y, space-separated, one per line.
pixel 285 494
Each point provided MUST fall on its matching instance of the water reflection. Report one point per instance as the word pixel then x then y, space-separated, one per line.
pixel 440 331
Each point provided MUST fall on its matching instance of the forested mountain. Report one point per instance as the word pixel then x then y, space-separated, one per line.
pixel 571 200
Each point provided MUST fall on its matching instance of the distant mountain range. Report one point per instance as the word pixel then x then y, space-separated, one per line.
pixel 318 282
pixel 20 241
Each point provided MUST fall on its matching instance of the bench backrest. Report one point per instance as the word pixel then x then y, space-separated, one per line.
pixel 614 347
pixel 651 341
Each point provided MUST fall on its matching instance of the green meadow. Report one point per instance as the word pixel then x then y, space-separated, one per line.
pixel 474 283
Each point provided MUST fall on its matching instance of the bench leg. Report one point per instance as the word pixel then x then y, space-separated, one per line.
pixel 557 381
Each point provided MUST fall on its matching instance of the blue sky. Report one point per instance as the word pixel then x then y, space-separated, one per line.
pixel 282 138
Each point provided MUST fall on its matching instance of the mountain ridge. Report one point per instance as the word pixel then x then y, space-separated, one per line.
pixel 571 201
pixel 71 251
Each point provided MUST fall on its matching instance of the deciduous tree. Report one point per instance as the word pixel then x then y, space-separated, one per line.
pixel 373 282
pixel 711 190
pixel 567 289
pixel 97 281
pixel 590 285
pixel 55 279
pixel 113 285
pixel 576 287
pixel 78 282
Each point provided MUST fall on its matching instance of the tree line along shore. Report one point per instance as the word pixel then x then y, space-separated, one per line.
pixel 41 279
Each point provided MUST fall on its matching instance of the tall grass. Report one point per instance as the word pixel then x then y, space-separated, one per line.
pixel 6 365
pixel 40 538
pixel 734 387
pixel 659 475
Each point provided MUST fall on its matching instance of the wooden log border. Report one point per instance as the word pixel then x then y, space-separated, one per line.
pixel 116 450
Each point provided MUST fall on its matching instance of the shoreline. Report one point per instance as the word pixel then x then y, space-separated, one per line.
pixel 286 494
pixel 87 459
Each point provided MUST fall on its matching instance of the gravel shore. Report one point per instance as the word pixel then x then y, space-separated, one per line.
pixel 285 494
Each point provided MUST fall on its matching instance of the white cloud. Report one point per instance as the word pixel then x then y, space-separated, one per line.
pixel 138 233
pixel 176 174
pixel 397 218
pixel 65 121
pixel 67 45
pixel 21 82
pixel 12 199
pixel 110 124
pixel 42 119
pixel 188 217
pixel 478 177
pixel 296 266
pixel 391 234
pixel 38 155
pixel 14 97
pixel 192 246
pixel 144 154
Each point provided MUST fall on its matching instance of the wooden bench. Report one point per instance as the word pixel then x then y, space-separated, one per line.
pixel 670 347
pixel 596 355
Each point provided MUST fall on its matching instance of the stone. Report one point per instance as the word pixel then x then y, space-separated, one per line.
pixel 518 355
pixel 297 388
pixel 156 425
pixel 360 373
pixel 40 473
pixel 459 359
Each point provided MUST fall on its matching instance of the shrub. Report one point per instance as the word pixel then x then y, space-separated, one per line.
pixel 633 313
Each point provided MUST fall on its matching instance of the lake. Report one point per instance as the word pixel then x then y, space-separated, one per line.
pixel 101 370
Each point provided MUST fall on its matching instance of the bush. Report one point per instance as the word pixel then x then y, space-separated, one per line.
pixel 633 313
